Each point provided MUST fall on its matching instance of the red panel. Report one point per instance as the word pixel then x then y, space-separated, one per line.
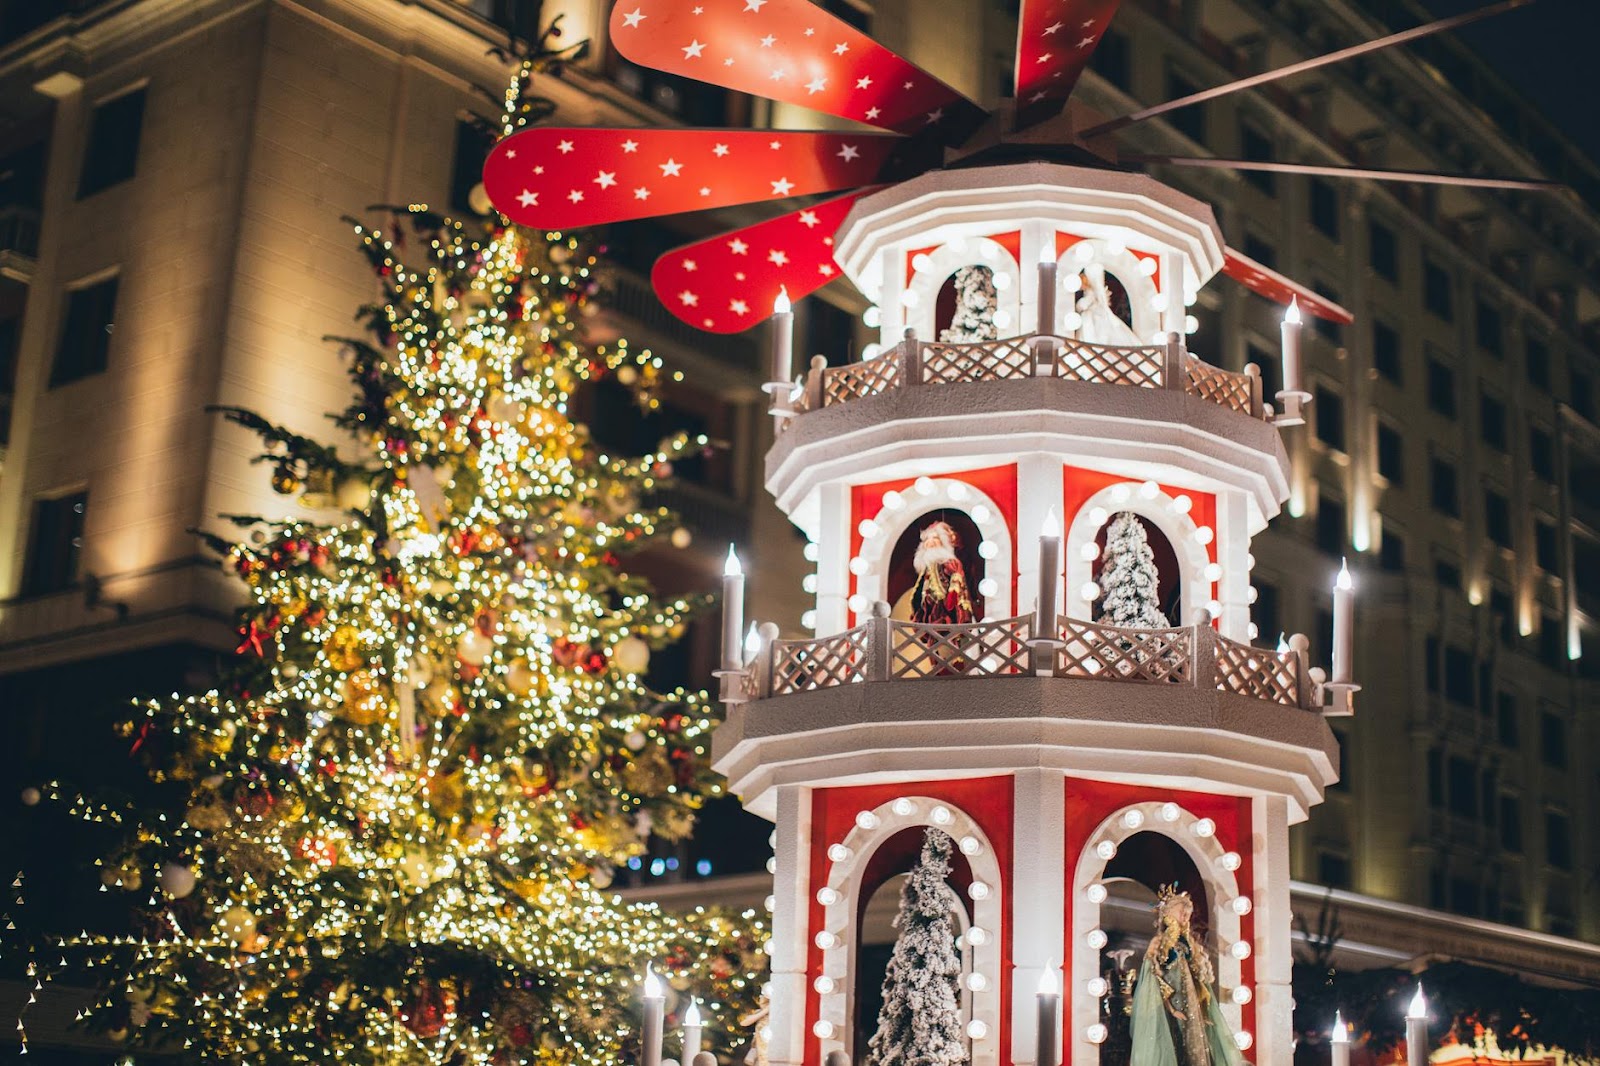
pixel 989 801
pixel 728 283
pixel 1264 281
pixel 1088 803
pixel 789 50
pixel 999 483
pixel 1079 484
pixel 567 178
pixel 1055 39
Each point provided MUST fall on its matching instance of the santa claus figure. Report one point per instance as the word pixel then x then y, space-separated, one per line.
pixel 940 596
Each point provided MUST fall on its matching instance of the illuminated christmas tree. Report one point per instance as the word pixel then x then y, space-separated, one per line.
pixel 404 801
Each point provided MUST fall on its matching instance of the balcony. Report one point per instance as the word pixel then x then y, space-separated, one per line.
pixel 19 242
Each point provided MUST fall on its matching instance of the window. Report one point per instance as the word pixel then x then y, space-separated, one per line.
pixel 1257 147
pixel 473 141
pixel 54 544
pixel 1492 422
pixel 1441 387
pixel 1382 251
pixel 1546 551
pixel 1259 249
pixel 1265 614
pixel 1391 454
pixel 1447 574
pixel 1583 394
pixel 1443 487
pixel 1329 411
pixel 1536 363
pixel 1436 286
pixel 1557 840
pixel 1324 207
pixel 1392 552
pixel 1189 121
pixel 1490 335
pixel 1497 517
pixel 1542 453
pixel 1463 786
pixel 1333 871
pixel 112 150
pixel 1331 526
pixel 1271 367
pixel 1464 896
pixel 1435 777
pixel 1386 352
pixel 1552 642
pixel 1505 721
pixel 1511 824
pixel 1327 328
pixel 1112 60
pixel 1552 740
pixel 1505 625
pixel 1458 676
pixel 85 332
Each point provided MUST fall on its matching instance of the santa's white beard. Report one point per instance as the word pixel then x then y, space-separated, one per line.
pixel 929 556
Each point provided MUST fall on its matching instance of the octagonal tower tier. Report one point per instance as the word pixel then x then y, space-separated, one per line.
pixel 1047 743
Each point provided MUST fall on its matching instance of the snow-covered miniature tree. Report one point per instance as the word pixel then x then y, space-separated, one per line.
pixel 1128 580
pixel 920 1023
pixel 976 302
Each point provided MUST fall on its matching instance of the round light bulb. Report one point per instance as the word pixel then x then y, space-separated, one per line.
pixel 1243 995
pixel 1096 1033
pixel 808 619
pixel 1096 939
pixel 1240 950
pixel 866 820
pixel 811 551
pixel 823 1028
pixel 859 566
pixel 825 940
pixel 921 262
pixel 1120 493
pixel 827 896
pixel 838 853
pixel 823 985
pixel 977 1029
pixel 1170 812
pixel 1181 504
pixel 1149 490
pixel 809 583
pixel 1097 987
pixel 1096 893
pixel 1241 905
pixel 770 903
pixel 857 603
pixel 1213 572
pixel 872 316
pixel 903 807
pixel 924 486
pixel 977 936
pixel 868 528
pixel 981 513
pixel 977 982
pixel 1230 861
pixel 988 549
pixel 909 298
pixel 1203 534
pixel 988 587
pixel 978 890
pixel 1002 281
pixel 1089 592
pixel 1106 850
pixel 1002 319
pixel 1243 1040
pixel 1205 827
pixel 971 845
pixel 941 815
pixel 1148 265
pixel 893 500
pixel 1089 552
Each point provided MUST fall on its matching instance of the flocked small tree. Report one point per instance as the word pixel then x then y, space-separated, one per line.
pixel 976 303
pixel 920 1023
pixel 1128 579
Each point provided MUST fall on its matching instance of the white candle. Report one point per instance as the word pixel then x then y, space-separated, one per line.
pixel 691 1033
pixel 1049 1017
pixel 782 338
pixel 1047 289
pixel 654 1012
pixel 1291 347
pixel 1340 1041
pixel 1417 1030
pixel 1049 573
pixel 732 612
pixel 1344 631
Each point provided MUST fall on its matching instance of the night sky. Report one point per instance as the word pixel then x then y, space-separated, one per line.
pixel 1547 51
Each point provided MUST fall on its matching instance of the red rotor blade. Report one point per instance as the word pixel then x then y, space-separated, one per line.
pixel 1055 39
pixel 565 178
pixel 1264 281
pixel 793 51
pixel 727 283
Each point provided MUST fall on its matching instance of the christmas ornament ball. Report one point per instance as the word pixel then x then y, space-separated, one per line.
pixel 31 797
pixel 176 880
pixel 474 648
pixel 238 924
pixel 343 649
pixel 631 655
pixel 364 700
pixel 519 677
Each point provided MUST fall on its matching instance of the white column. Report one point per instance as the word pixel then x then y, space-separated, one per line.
pixel 1233 548
pixel 1038 490
pixel 790 933
pixel 1172 283
pixel 1274 995
pixel 833 559
pixel 1039 843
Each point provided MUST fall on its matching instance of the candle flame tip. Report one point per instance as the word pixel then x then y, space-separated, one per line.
pixel 1293 314
pixel 731 567
pixel 780 303
pixel 1052 524
pixel 1419 1004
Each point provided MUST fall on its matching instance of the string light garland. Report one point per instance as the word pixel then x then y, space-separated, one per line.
pixel 406 799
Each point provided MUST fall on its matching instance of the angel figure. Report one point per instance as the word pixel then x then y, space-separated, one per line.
pixel 1176 1018
pixel 1100 323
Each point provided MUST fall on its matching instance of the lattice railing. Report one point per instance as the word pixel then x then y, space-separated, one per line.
pixel 997 360
pixel 853 381
pixel 1258 672
pixel 986 649
pixel 1110 364
pixel 1111 653
pixel 827 662
pixel 1220 386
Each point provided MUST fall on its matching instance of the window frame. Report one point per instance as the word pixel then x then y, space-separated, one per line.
pixel 89 183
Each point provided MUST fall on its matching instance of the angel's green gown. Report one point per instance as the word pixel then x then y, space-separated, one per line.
pixel 1201 1038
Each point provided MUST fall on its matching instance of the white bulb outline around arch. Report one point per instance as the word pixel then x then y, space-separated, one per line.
pixel 838 962
pixel 1222 885
pixel 1177 527
pixel 892 525
pixel 943 262
pixel 1124 265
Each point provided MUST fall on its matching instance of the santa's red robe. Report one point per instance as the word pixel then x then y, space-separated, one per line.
pixel 940 595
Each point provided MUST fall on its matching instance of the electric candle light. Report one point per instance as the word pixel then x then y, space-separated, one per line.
pixel 1047 288
pixel 732 611
pixel 1291 347
pixel 1339 1041
pixel 1417 1029
pixel 1049 573
pixel 782 342
pixel 691 1032
pixel 1344 630
pixel 654 1014
pixel 1048 1053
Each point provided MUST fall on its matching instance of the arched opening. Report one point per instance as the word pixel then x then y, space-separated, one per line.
pixel 1169 578
pixel 1116 293
pixel 902 575
pixel 965 309
pixel 876 907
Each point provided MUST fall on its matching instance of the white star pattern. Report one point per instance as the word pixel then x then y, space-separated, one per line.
pixel 739 275
pixel 816 85
pixel 641 193
pixel 670 168
pixel 754 5
pixel 538 170
pixel 825 269
pixel 1054 28
pixel 528 198
pixel 777 257
pixel 1036 97
pixel 781 187
pixel 630 146
pixel 689 299
pixel 631 21
pixel 738 247
pixel 720 150
pixel 935 115
pixel 1045 58
pixel 511 153
pixel 809 218
pixel 693 49
pixel 873 112
pixel 690 265
pixel 699 11
pixel 565 147
pixel 728 62
pixel 606 178
pixel 768 41
pixel 576 196
pixel 811 31
pixel 907 85
pixel 841 48
pixel 775 145
pixel 848 152
pixel 777 74
pixel 739 307
pixel 863 82
pixel 1087 41
pixel 705 190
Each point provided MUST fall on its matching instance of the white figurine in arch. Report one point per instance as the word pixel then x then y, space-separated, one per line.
pixel 1100 323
